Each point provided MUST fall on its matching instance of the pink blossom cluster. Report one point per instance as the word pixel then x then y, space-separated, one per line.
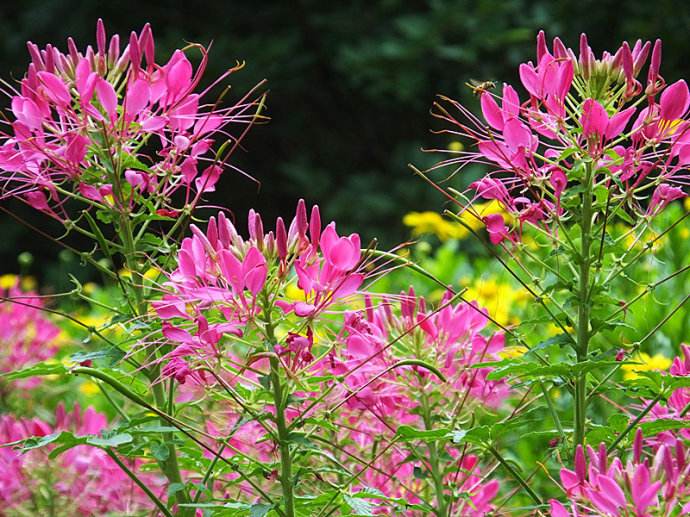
pixel 26 335
pixel 676 403
pixel 381 395
pixel 83 479
pixel 578 111
pixel 223 282
pixel 84 122
pixel 653 481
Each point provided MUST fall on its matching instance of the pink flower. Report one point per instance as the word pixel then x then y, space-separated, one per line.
pixel 65 100
pixel 496 227
pixel 27 336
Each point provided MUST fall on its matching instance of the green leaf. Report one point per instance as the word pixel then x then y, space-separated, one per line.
pixel 37 442
pixel 173 488
pixel 407 433
pixel 618 422
pixel 111 441
pixel 37 370
pixel 661 425
pixel 111 354
pixel 359 506
pixel 260 510
pixel 160 451
pixel 561 339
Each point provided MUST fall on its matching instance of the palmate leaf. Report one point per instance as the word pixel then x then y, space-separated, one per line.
pixel 37 370
pixel 663 424
pixel 260 510
pixel 531 370
pixel 358 506
pixel 406 433
pixel 111 355
pixel 66 440
pixel 658 382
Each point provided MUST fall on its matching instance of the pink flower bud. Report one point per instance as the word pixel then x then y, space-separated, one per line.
pixel 301 218
pixel 100 37
pixel 315 225
pixel 281 239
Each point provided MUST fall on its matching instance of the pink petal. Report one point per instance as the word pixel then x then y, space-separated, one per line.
pixel 492 113
pixel 55 88
pixel 674 101
pixel 618 122
pixel 137 98
pixel 107 97
pixel 594 119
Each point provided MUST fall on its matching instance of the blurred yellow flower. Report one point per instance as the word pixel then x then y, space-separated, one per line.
pixel 63 338
pixel 511 352
pixel 433 223
pixel 89 288
pixel 88 388
pixel 647 363
pixel 498 298
pixel 292 292
pixel 95 320
pixel 455 146
pixel 8 281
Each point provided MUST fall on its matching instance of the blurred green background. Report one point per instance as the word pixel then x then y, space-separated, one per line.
pixel 350 86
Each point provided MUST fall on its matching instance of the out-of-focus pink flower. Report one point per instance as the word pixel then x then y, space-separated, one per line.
pixel 27 336
pixel 84 480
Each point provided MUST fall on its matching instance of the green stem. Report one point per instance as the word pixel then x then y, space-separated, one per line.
pixel 637 420
pixel 139 483
pixel 583 317
pixel 280 401
pixel 524 484
pixel 169 466
pixel 283 441
pixel 554 413
pixel 436 471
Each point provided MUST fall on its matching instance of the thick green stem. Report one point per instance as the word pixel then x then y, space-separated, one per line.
pixel 283 441
pixel 280 401
pixel 139 483
pixel 436 470
pixel 169 466
pixel 583 316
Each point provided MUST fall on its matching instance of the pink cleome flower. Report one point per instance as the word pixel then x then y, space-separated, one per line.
pixel 80 122
pixel 534 148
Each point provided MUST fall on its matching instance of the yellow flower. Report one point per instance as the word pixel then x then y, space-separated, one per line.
pixel 89 288
pixel 511 352
pixel 63 338
pixel 657 362
pixel 433 223
pixel 95 320
pixel 8 281
pixel 455 146
pixel 293 292
pixel 686 203
pixel 28 283
pixel 88 388
pixel 498 298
